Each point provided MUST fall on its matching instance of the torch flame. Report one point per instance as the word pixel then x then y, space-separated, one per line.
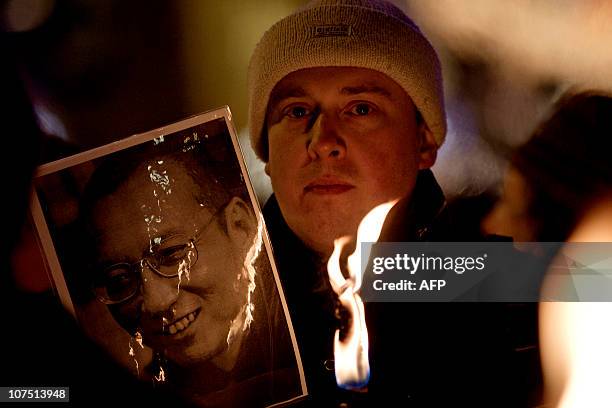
pixel 352 366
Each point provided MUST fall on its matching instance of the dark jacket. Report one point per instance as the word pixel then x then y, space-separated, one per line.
pixel 421 354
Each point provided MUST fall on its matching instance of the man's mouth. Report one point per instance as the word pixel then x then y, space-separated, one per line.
pixel 328 185
pixel 182 323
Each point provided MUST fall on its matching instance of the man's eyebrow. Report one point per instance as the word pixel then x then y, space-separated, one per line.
pixel 100 265
pixel 293 92
pixel 354 90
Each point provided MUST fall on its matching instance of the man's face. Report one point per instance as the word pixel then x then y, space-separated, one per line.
pixel 157 210
pixel 341 141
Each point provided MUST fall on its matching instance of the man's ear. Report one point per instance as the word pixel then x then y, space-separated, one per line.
pixel 428 148
pixel 240 222
pixel 267 168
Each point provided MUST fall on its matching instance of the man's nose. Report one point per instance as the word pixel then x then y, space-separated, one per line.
pixel 159 293
pixel 326 141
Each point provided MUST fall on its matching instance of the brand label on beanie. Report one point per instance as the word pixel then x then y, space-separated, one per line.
pixel 332 31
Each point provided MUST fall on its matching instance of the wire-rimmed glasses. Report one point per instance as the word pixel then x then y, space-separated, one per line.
pixel 169 258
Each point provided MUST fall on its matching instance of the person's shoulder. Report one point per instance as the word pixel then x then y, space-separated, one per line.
pixel 461 219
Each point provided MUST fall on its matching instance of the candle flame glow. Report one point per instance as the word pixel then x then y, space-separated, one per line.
pixel 352 366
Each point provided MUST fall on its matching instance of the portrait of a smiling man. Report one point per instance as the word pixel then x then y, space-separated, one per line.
pixel 170 243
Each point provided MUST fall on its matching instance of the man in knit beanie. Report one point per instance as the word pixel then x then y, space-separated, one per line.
pixel 346 109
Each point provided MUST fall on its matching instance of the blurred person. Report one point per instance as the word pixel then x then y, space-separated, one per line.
pixel 346 110
pixel 173 253
pixel 559 173
pixel 559 189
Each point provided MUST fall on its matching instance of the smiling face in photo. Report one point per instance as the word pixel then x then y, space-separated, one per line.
pixel 341 141
pixel 155 226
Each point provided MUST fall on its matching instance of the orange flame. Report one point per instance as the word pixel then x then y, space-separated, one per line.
pixel 352 366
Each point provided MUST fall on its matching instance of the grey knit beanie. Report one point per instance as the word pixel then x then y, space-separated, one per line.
pixel 351 33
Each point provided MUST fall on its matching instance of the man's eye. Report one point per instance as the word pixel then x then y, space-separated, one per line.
pixel 361 109
pixel 297 112
pixel 172 255
pixel 119 281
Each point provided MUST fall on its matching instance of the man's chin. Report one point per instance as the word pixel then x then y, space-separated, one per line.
pixel 323 241
pixel 187 358
pixel 323 224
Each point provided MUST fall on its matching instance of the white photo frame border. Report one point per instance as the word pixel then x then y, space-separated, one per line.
pixel 45 240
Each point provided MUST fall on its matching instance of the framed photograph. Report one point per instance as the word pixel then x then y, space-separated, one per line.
pixel 157 245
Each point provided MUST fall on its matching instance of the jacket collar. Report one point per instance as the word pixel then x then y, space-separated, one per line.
pixel 424 212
